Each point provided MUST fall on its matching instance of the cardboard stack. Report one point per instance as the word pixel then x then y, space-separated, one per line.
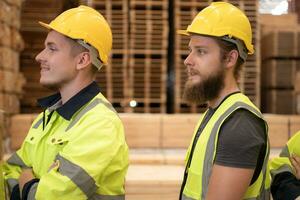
pixel 280 64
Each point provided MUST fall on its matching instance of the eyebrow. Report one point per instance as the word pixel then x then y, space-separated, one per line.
pixel 200 46
pixel 50 44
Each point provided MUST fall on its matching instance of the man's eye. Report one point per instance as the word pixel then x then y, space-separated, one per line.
pixel 201 51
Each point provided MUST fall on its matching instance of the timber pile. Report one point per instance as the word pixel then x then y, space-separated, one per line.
pixel 163 131
pixel 11 80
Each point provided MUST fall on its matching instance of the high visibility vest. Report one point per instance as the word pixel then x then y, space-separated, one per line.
pixel 2 189
pixel 200 169
pixel 282 163
pixel 82 158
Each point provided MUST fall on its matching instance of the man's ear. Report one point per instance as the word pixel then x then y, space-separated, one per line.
pixel 83 60
pixel 232 58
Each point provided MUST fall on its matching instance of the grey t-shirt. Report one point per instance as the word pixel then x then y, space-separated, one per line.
pixel 242 142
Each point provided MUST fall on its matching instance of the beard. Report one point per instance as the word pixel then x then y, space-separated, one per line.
pixel 205 90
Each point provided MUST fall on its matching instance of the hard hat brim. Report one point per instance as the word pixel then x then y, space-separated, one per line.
pixel 183 32
pixel 45 25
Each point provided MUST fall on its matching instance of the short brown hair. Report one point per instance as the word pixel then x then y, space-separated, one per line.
pixel 76 48
pixel 225 48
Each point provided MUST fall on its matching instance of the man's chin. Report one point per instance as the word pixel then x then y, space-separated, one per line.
pixel 48 85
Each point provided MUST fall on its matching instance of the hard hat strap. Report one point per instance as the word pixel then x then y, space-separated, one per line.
pixel 93 52
pixel 243 52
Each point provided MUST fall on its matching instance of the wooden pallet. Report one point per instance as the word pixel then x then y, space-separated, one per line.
pixel 148 81
pixel 148 55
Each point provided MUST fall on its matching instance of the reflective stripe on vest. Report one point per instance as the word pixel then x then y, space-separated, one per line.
pixel 83 180
pixel 32 191
pixel 208 156
pixel 38 123
pixel 78 175
pixel 11 183
pixel 285 152
pixel 88 108
pixel 16 160
pixel 107 197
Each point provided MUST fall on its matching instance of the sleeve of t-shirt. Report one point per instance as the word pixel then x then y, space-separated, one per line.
pixel 241 141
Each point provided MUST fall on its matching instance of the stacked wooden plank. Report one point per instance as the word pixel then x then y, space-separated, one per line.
pixel 113 78
pixel 185 11
pixel 34 35
pixel 11 80
pixel 150 182
pixel 280 65
pixel 163 131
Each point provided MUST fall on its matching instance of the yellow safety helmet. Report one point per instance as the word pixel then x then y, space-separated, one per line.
pixel 87 24
pixel 222 19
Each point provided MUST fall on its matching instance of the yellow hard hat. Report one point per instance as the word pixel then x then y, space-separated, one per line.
pixel 85 23
pixel 222 19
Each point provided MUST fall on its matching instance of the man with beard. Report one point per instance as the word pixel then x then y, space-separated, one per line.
pixel 75 148
pixel 228 155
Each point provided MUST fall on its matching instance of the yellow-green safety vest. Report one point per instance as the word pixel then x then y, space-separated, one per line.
pixel 199 172
pixel 82 158
pixel 282 163
pixel 2 190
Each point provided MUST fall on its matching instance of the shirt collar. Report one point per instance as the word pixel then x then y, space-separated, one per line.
pixel 68 109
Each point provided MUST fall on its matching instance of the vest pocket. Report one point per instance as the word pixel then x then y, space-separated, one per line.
pixel 59 143
pixel 33 136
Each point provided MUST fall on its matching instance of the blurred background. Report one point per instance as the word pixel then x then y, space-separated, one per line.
pixel 145 77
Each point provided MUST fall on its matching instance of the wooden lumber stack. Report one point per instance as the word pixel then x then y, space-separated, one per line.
pixel 249 82
pixel 11 80
pixel 163 131
pixel 149 182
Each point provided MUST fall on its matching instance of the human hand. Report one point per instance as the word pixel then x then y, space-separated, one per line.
pixel 26 175
pixel 295 160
